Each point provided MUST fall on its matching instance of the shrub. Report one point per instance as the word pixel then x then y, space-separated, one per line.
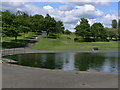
pixel 53 36
pixel 76 39
pixel 95 48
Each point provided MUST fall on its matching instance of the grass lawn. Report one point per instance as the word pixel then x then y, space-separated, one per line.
pixel 9 42
pixel 63 43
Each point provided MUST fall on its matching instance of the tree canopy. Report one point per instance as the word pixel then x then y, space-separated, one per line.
pixel 114 23
pixel 83 29
pixel 21 22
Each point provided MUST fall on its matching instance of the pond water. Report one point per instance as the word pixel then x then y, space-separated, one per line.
pixel 93 62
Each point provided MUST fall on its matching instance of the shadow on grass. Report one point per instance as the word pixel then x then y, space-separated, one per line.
pixel 14 44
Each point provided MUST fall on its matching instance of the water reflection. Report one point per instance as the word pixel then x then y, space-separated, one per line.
pixel 94 62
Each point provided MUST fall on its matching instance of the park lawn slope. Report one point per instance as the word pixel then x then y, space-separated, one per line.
pixel 64 44
pixel 9 42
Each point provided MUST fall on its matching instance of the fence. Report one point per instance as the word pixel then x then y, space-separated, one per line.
pixel 12 51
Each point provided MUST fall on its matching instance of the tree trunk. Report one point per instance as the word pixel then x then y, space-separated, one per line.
pixel 16 38
pixel 24 34
pixel 47 33
pixel 110 38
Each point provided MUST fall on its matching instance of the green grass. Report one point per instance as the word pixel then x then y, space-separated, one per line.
pixel 9 42
pixel 68 44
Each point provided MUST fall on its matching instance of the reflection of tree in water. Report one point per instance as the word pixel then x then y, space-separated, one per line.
pixel 26 59
pixel 84 61
pixel 50 61
pixel 66 61
pixel 59 60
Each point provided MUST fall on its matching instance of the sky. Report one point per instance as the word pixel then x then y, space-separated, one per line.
pixel 69 12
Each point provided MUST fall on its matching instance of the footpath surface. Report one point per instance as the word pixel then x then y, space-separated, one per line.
pixel 15 76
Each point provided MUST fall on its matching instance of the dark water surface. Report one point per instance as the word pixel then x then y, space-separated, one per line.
pixel 93 62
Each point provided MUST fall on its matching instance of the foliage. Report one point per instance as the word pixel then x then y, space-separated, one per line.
pixel 22 22
pixel 83 29
pixel 112 33
pixel 36 23
pixel 67 32
pixel 10 27
pixel 114 23
pixel 49 25
pixel 98 31
pixel 59 27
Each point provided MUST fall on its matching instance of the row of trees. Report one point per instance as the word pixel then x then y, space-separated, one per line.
pixel 96 32
pixel 22 22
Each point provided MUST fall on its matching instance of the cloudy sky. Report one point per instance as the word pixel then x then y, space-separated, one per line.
pixel 69 12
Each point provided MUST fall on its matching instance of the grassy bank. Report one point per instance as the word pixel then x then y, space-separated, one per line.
pixel 9 42
pixel 63 43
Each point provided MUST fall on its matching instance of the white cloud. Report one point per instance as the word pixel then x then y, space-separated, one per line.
pixel 107 19
pixel 48 7
pixel 70 19
pixel 102 3
pixel 66 7
pixel 70 27
pixel 95 1
pixel 90 21
pixel 69 14
pixel 86 11
pixel 27 7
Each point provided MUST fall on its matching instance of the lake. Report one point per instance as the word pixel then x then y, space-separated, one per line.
pixel 92 62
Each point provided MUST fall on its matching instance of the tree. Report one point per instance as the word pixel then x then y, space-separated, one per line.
pixel 112 33
pixel 10 31
pixel 37 22
pixel 83 29
pixel 119 29
pixel 49 25
pixel 59 27
pixel 10 28
pixel 24 29
pixel 98 31
pixel 67 32
pixel 119 23
pixel 114 23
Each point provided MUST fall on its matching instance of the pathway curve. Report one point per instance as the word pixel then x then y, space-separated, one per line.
pixel 15 76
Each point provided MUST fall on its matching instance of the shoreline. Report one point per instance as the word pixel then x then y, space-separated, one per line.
pixel 28 50
pixel 46 78
pixel 29 67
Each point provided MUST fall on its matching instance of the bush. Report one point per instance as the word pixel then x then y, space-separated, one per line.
pixel 76 39
pixel 68 38
pixel 53 36
pixel 89 40
pixel 95 48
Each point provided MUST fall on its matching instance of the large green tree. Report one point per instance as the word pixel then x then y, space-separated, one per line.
pixel 9 25
pixel 98 31
pixel 59 27
pixel 36 23
pixel 114 23
pixel 112 33
pixel 49 25
pixel 119 29
pixel 83 29
pixel 67 32
pixel 119 23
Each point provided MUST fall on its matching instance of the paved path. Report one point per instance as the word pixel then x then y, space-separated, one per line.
pixel 33 41
pixel 15 76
